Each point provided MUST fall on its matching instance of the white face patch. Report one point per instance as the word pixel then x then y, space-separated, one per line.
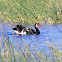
pixel 36 25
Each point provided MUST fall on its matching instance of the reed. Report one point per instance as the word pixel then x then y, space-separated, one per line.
pixel 8 52
pixel 30 11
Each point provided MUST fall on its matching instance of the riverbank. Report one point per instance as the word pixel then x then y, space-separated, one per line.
pixel 27 11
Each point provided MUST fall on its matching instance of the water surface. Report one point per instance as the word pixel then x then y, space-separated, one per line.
pixel 48 33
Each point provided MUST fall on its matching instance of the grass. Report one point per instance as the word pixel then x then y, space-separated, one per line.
pixel 31 11
pixel 8 53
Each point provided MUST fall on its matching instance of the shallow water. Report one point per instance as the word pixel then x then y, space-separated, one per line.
pixel 48 33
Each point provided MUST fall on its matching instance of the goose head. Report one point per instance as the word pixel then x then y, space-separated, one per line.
pixel 37 25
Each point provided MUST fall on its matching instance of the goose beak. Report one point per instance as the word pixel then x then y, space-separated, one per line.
pixel 39 25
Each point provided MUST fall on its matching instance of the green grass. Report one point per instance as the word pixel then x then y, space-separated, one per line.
pixel 30 11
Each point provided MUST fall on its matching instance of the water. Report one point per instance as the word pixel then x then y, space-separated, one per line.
pixel 48 33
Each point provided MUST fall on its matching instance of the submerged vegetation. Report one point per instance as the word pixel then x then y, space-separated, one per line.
pixel 30 11
pixel 10 53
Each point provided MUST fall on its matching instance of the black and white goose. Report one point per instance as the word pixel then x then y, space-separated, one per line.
pixel 31 31
pixel 21 30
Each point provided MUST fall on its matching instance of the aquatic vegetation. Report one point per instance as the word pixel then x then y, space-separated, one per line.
pixel 20 50
pixel 29 11
pixel 10 53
